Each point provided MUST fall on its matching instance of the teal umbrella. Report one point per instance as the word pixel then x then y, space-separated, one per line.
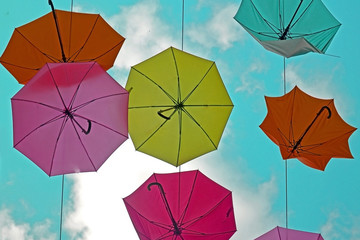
pixel 289 27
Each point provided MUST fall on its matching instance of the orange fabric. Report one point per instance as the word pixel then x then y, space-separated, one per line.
pixel 288 118
pixel 85 37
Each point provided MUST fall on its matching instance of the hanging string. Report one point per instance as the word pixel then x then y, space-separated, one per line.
pixel 62 204
pixel 71 15
pixel 182 25
pixel 286 163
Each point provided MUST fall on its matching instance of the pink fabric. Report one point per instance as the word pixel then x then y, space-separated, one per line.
pixel 52 139
pixel 201 208
pixel 280 233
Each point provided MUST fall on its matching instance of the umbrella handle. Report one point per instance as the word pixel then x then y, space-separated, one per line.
pixel 327 108
pixel 163 116
pixel 177 231
pixel 307 129
pixel 89 128
pixel 164 110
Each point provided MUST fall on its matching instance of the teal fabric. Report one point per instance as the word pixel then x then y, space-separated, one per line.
pixel 267 20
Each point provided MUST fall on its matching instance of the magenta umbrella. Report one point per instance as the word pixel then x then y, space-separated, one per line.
pixel 183 205
pixel 70 117
pixel 280 233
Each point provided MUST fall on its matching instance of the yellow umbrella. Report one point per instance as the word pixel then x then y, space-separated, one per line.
pixel 178 106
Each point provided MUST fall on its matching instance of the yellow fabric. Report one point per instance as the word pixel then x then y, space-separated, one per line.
pixel 288 118
pixel 162 83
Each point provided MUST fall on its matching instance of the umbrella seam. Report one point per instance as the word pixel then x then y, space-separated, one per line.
pixel 166 93
pixel 53 59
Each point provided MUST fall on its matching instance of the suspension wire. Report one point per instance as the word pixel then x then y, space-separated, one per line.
pixel 182 25
pixel 62 204
pixel 286 162
pixel 71 18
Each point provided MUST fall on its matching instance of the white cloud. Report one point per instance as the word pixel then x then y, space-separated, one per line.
pixel 145 32
pixel 219 31
pixel 319 84
pixel 341 226
pixel 11 230
pixel 249 83
pixel 98 212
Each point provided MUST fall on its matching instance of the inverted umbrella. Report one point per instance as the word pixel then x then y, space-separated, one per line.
pixel 183 205
pixel 307 128
pixel 289 27
pixel 178 106
pixel 280 233
pixel 70 117
pixel 60 36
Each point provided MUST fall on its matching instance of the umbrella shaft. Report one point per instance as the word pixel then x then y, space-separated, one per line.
pixel 57 30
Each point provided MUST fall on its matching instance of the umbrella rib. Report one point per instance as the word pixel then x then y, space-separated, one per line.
pixel 188 202
pixel 51 58
pixel 159 106
pixel 197 123
pixel 197 85
pixel 76 54
pixel 41 125
pixel 56 86
pixel 28 68
pixel 301 15
pixel 104 53
pixel 177 74
pixel 166 93
pixel 82 144
pixel 271 26
pixel 100 124
pixel 40 103
pixel 78 86
pixel 152 134
pixel 96 99
pixel 266 34
pixel 314 33
pixel 192 221
pixel 56 143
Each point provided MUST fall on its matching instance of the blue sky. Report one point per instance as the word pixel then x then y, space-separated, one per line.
pixel 247 162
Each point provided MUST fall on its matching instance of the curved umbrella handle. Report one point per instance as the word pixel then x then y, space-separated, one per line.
pixel 177 231
pixel 307 129
pixel 162 115
pixel 327 108
pixel 165 110
pixel 89 128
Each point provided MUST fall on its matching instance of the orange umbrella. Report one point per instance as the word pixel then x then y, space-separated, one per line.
pixel 307 128
pixel 60 36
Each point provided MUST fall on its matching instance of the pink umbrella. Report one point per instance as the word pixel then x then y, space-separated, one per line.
pixel 70 117
pixel 280 233
pixel 183 205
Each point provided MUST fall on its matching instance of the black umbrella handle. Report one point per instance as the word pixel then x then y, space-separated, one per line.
pixel 307 129
pixel 58 31
pixel 177 231
pixel 165 110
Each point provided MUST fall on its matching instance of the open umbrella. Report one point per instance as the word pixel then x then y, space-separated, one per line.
pixel 183 205
pixel 307 128
pixel 70 117
pixel 289 27
pixel 280 233
pixel 60 36
pixel 178 106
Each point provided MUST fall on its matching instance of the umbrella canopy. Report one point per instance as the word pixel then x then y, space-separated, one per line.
pixel 280 233
pixel 74 37
pixel 178 106
pixel 307 128
pixel 182 205
pixel 70 117
pixel 289 27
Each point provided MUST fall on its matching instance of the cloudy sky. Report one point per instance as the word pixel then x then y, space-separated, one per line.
pixel 247 162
